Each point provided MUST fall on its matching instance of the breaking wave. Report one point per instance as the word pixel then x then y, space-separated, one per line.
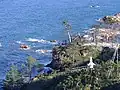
pixel 36 40
pixel 19 42
pixel 42 51
pixel 41 41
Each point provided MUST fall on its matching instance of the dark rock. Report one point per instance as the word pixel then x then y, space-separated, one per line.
pixel 56 62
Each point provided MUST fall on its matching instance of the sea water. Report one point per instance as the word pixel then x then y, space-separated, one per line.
pixel 35 22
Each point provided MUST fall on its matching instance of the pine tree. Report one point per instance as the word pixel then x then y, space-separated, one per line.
pixel 68 28
pixel 13 77
pixel 30 63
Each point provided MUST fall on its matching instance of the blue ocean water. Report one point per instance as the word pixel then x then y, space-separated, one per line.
pixel 21 20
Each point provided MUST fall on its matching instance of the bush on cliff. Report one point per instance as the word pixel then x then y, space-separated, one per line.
pixel 103 75
pixel 72 55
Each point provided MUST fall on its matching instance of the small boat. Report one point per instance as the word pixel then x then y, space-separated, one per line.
pixel 25 47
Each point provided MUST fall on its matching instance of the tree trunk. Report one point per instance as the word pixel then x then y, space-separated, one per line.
pixel 69 37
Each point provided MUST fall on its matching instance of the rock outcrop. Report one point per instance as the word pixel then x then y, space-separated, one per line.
pixel 72 55
pixel 56 61
pixel 111 19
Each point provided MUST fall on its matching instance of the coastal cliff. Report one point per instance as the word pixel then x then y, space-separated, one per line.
pixel 70 63
pixel 73 73
pixel 72 55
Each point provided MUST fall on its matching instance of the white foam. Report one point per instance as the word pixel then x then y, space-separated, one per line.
pixel 42 51
pixel 97 20
pixel 0 45
pixel 40 41
pixel 94 6
pixel 19 42
pixel 53 42
pixel 97 6
pixel 36 40
pixel 91 6
pixel 49 51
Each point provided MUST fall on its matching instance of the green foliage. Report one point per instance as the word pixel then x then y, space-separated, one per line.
pixel 13 77
pixel 87 79
pixel 68 27
pixel 87 87
pixel 39 65
pixel 101 76
pixel 74 54
pixel 16 78
pixel 30 62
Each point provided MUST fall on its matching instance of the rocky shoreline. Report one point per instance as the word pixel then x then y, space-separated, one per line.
pixel 110 19
pixel 69 61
